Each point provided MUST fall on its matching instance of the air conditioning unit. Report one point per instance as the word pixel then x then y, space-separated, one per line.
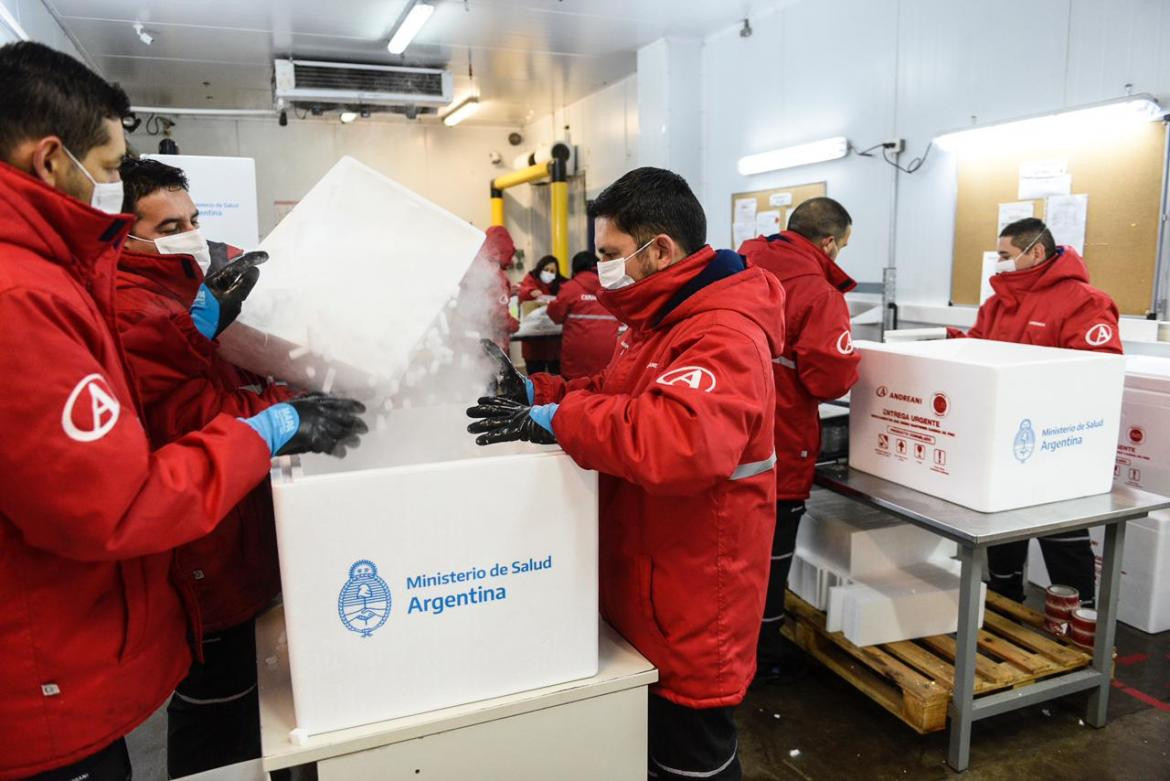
pixel 315 82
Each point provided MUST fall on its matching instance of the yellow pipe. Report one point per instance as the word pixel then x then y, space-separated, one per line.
pixel 523 176
pixel 560 224
pixel 497 211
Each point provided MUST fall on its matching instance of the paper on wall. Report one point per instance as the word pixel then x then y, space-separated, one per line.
pixel 768 223
pixel 780 199
pixel 1065 216
pixel 1041 178
pixel 986 291
pixel 1010 212
pixel 745 210
pixel 741 232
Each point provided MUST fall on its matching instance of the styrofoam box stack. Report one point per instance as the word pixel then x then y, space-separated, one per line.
pixel 418 575
pixel 989 425
pixel 357 274
pixel 879 579
pixel 1143 461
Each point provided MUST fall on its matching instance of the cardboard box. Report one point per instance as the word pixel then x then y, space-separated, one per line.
pixel 989 425
pixel 423 572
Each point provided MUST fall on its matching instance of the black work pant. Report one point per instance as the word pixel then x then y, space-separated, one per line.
pixel 110 764
pixel 213 719
pixel 688 743
pixel 1068 557
pixel 788 515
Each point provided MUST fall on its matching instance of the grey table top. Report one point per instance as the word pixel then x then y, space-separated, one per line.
pixel 969 527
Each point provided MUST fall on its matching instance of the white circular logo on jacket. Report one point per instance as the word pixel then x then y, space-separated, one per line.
pixel 694 377
pixel 1099 334
pixel 91 411
pixel 845 343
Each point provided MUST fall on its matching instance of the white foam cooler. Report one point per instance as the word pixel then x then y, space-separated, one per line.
pixel 423 571
pixel 989 425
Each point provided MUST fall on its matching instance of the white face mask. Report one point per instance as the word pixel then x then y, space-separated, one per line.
pixel 612 273
pixel 189 243
pixel 547 277
pixel 1007 266
pixel 107 196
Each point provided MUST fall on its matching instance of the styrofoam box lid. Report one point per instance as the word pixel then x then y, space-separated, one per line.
pixel 410 437
pixel 1147 372
pixel 985 352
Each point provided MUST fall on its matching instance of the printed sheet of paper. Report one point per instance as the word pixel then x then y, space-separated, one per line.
pixel 1066 216
pixel 780 199
pixel 741 232
pixel 1010 212
pixel 745 210
pixel 768 223
pixel 985 289
pixel 1042 178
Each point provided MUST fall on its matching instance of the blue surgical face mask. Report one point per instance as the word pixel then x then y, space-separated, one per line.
pixel 612 273
pixel 106 196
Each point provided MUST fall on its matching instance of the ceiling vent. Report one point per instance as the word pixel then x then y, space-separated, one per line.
pixel 314 82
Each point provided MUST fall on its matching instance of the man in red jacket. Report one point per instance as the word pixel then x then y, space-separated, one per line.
pixel 818 364
pixel 590 330
pixel 182 383
pixel 1043 297
pixel 93 631
pixel 680 426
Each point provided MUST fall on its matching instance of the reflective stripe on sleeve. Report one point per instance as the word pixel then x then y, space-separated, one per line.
pixel 754 468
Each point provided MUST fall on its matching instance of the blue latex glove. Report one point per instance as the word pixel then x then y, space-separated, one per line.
pixel 205 312
pixel 530 389
pixel 275 425
pixel 542 414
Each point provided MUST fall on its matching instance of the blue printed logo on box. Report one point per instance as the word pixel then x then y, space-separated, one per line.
pixel 1024 444
pixel 364 601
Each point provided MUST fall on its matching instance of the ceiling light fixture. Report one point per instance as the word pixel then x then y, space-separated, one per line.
pixel 348 116
pixel 409 24
pixel 461 112
pixel 791 156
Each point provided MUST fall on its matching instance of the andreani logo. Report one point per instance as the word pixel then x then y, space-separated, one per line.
pixel 906 397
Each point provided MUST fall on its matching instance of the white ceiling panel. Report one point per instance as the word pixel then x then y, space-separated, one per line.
pixel 529 56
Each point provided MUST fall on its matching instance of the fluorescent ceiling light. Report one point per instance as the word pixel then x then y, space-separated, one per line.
pixel 461 112
pixel 1063 126
pixel 790 156
pixel 415 18
pixel 348 116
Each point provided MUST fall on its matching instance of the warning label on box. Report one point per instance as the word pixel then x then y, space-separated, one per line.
pixel 915 435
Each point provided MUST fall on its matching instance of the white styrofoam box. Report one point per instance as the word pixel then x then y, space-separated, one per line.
pixel 866 543
pixel 812 581
pixel 1143 443
pixel 989 425
pixel 918 600
pixel 1134 329
pixel 358 273
pixel 486 572
pixel 1144 601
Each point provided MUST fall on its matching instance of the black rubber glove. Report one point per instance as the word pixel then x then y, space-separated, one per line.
pixel 500 419
pixel 329 424
pixel 231 285
pixel 508 381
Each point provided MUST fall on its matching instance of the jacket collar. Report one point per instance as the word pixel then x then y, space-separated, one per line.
pixel 1065 264
pixel 648 302
pixel 833 273
pixel 56 226
pixel 176 275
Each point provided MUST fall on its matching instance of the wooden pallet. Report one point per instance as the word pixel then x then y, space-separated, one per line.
pixel 913 679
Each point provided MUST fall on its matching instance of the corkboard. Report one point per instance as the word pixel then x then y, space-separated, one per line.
pixel 799 193
pixel 1121 172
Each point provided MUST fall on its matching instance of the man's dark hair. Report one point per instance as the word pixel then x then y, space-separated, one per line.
pixel 583 261
pixel 1024 232
pixel 44 92
pixel 649 201
pixel 820 218
pixel 143 176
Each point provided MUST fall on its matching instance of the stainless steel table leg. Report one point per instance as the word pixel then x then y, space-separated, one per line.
pixel 1106 620
pixel 966 645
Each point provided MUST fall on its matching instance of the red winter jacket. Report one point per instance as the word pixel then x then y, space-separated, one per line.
pixel 818 363
pixel 590 330
pixel 545 348
pixel 93 633
pixel 680 426
pixel 183 384
pixel 1050 305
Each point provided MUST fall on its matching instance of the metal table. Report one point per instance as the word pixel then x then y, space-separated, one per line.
pixel 974 531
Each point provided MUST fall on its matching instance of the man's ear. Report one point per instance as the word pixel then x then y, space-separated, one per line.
pixel 667 249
